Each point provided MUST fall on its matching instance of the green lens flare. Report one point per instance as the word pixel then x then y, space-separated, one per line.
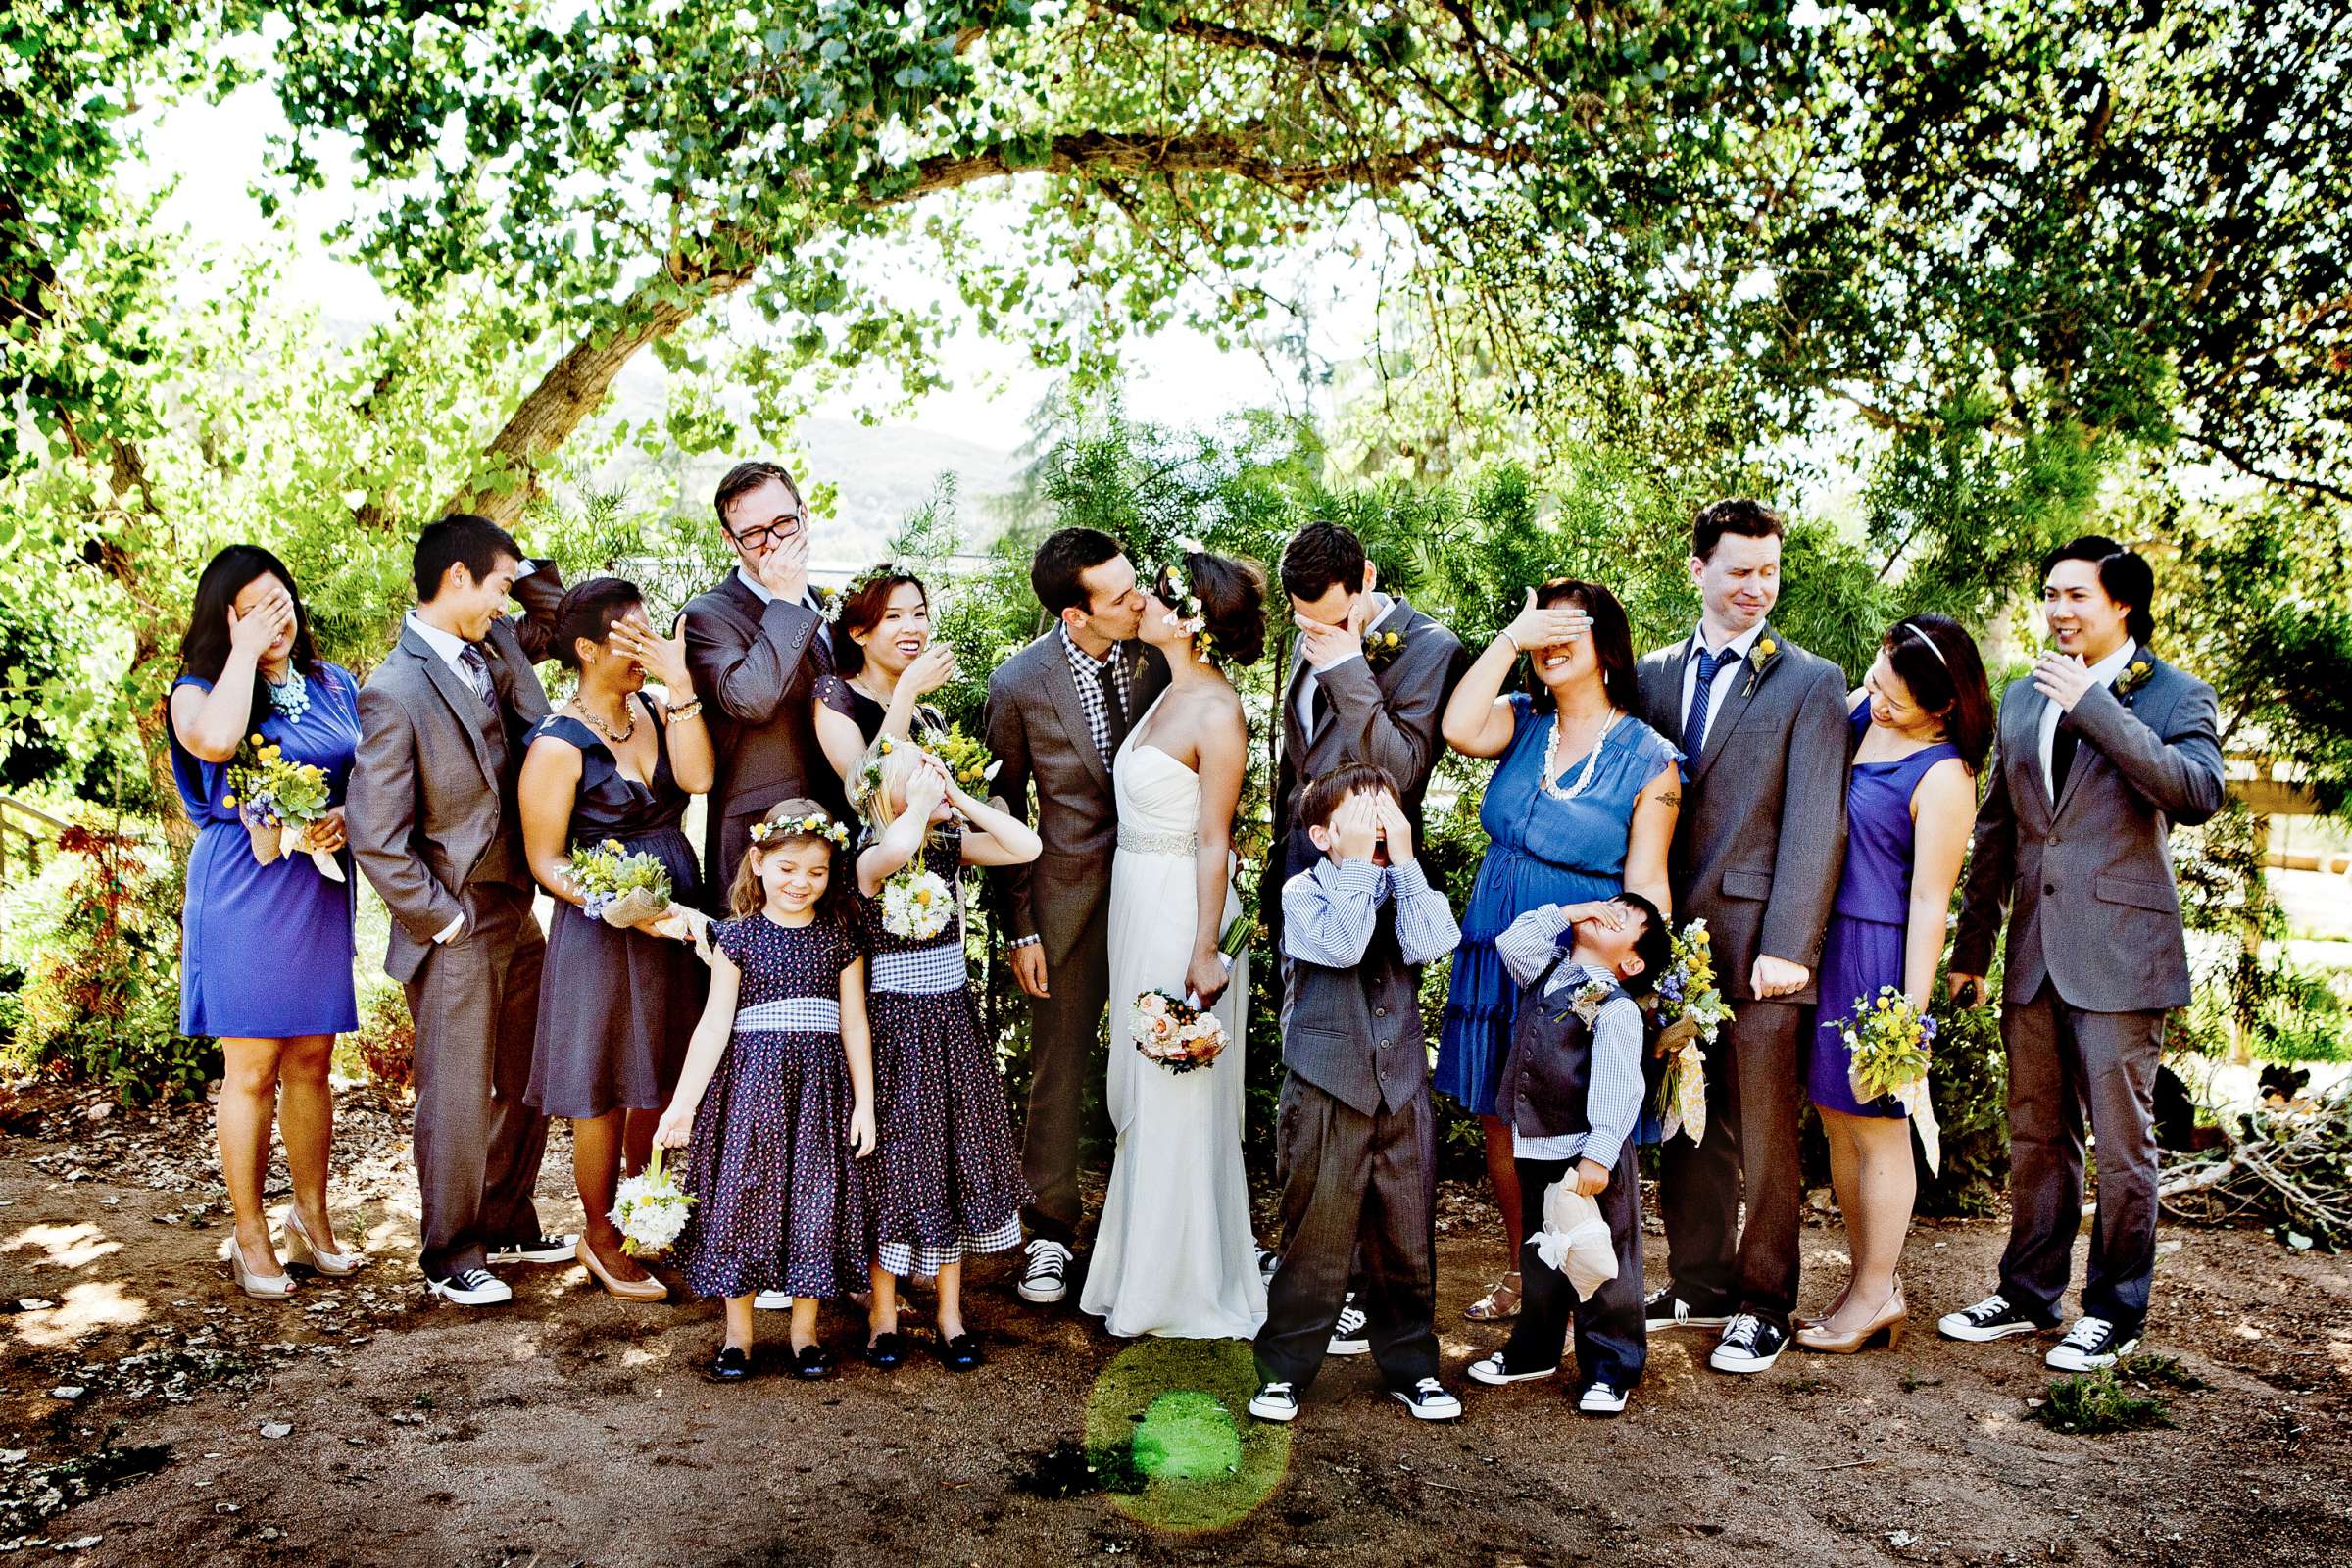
pixel 1178 1411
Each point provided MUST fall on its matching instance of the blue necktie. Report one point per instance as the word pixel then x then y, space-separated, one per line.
pixel 477 670
pixel 1695 728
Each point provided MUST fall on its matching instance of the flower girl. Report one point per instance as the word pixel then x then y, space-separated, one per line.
pixel 776 1097
pixel 948 1179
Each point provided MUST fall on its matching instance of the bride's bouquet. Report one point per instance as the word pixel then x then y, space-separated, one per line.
pixel 1696 1012
pixel 1175 1034
pixel 279 801
pixel 916 903
pixel 1889 1043
pixel 618 886
pixel 649 1209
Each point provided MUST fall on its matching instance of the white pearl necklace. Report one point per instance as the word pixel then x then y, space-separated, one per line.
pixel 1584 775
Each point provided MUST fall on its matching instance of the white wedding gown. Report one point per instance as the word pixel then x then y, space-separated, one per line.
pixel 1174 1255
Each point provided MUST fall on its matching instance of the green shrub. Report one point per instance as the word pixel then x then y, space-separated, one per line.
pixel 2122 1397
pixel 100 951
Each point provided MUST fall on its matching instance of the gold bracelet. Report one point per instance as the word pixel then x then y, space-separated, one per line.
pixel 684 712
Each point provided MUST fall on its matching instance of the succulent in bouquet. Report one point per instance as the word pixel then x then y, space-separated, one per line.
pixel 620 886
pixel 280 802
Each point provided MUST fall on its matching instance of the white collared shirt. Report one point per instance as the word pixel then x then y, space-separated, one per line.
pixel 1725 673
pixel 761 592
pixel 1306 686
pixel 2102 674
pixel 448 644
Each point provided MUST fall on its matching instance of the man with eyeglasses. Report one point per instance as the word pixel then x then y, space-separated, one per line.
pixel 758 646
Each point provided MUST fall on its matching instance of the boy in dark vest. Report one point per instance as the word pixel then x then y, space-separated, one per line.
pixel 1572 1091
pixel 1355 1132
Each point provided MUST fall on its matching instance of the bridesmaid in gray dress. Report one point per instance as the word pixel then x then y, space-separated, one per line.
pixel 615 1005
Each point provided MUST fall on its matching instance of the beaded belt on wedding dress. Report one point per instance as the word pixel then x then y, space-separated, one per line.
pixel 1136 841
pixel 920 971
pixel 789 1015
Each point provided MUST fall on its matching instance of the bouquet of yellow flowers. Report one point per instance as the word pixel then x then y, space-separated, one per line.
pixel 1693 1006
pixel 617 886
pixel 968 761
pixel 1888 1042
pixel 281 801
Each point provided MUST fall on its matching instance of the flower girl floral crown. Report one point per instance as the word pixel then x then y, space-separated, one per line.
pixel 815 825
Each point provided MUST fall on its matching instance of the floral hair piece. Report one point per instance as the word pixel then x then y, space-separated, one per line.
pixel 815 825
pixel 881 571
pixel 1186 613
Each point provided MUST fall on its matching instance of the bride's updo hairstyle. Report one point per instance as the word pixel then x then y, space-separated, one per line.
pixel 1233 604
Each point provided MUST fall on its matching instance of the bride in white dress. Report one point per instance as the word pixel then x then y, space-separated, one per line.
pixel 1175 1253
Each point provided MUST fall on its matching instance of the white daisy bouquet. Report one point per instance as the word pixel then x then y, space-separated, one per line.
pixel 916 903
pixel 281 801
pixel 619 886
pixel 649 1209
pixel 1693 1006
pixel 1889 1047
pixel 1175 1034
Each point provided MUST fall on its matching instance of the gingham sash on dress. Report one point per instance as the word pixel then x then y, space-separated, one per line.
pixel 919 972
pixel 789 1015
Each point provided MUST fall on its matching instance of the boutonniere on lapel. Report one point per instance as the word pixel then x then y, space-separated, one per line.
pixel 1382 646
pixel 828 604
pixel 1590 1000
pixel 1763 654
pixel 2135 676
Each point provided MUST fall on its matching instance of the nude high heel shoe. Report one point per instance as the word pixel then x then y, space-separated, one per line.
pixel 261 1287
pixel 300 1248
pixel 1893 1319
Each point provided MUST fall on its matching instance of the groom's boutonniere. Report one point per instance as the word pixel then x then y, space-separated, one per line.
pixel 2135 676
pixel 1590 1000
pixel 1765 651
pixel 828 604
pixel 1382 646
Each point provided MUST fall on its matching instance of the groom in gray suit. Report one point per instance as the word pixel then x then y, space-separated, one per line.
pixel 433 825
pixel 1758 850
pixel 1056 713
pixel 2102 750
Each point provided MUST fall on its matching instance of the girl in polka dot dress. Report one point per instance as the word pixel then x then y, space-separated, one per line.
pixel 948 1179
pixel 777 1102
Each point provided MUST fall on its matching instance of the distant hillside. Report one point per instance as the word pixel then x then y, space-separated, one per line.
pixel 881 473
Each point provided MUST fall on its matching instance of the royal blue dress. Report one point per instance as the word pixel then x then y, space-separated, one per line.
pixel 1863 949
pixel 1544 851
pixel 265 950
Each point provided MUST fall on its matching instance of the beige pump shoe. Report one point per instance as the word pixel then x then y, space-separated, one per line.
pixel 261 1287
pixel 300 1248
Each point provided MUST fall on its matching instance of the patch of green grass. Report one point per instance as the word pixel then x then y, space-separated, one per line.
pixel 2122 1397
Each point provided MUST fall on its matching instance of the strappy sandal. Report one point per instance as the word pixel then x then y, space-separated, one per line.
pixel 1499 1305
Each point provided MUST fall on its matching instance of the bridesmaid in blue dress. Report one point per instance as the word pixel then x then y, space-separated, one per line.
pixel 1581 808
pixel 1922 723
pixel 615 1005
pixel 266 949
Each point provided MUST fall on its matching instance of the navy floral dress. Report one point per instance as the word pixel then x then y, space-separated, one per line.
pixel 780 1200
pixel 950 1179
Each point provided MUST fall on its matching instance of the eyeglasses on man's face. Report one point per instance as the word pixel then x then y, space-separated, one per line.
pixel 759 538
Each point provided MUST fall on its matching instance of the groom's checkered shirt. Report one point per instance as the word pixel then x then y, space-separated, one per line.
pixel 1088 669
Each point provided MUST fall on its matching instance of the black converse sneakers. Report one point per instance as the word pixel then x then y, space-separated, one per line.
pixel 1994 1318
pixel 2091 1343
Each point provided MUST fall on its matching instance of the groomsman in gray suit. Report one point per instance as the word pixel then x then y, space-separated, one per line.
pixel 433 826
pixel 1056 713
pixel 755 649
pixel 1368 681
pixel 2102 750
pixel 1757 851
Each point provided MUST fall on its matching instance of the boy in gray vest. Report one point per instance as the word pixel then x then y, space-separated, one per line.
pixel 1572 1091
pixel 1355 1132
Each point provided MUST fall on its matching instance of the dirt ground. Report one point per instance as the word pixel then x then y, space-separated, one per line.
pixel 149 1414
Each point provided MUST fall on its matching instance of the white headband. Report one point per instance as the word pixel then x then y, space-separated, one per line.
pixel 1914 630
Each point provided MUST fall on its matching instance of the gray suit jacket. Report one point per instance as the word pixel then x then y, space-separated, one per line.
pixel 1384 712
pixel 1761 839
pixel 2086 881
pixel 756 667
pixel 1037 731
pixel 428 799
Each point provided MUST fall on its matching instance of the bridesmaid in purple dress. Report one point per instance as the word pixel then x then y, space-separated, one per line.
pixel 266 949
pixel 1923 723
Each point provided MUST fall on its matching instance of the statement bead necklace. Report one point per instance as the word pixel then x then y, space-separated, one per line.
pixel 1584 775
pixel 291 697
pixel 597 724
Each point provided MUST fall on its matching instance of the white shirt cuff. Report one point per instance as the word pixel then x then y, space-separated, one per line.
pixel 450 932
pixel 526 569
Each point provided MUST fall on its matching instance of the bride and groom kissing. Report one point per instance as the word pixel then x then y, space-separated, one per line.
pixel 1122 721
